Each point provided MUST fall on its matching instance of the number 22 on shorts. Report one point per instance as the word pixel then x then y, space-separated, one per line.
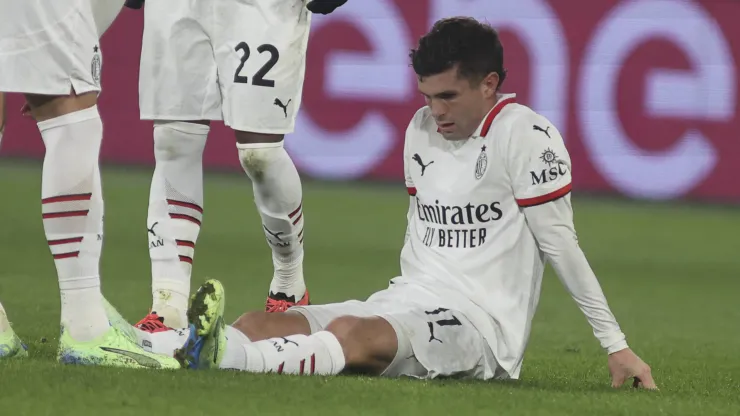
pixel 259 77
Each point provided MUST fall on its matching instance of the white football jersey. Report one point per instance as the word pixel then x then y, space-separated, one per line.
pixel 467 233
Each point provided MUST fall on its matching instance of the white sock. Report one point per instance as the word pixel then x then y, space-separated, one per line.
pixel 175 215
pixel 234 355
pixel 72 206
pixel 319 354
pixel 4 322
pixel 278 196
pixel 163 343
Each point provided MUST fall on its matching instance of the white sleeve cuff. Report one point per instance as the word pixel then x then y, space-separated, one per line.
pixel 618 346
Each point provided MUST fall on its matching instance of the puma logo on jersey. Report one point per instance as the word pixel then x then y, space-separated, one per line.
pixel 418 160
pixel 283 106
pixel 546 131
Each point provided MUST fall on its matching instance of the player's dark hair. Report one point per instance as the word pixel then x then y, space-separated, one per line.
pixel 473 46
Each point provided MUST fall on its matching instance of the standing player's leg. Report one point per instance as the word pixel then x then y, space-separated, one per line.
pixel 261 70
pixel 10 344
pixel 60 77
pixel 178 90
pixel 278 196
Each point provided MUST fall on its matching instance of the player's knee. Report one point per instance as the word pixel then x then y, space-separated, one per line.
pixel 369 344
pixel 177 140
pixel 258 326
pixel 255 158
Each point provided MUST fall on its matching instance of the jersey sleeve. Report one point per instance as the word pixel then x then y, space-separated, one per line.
pixel 538 162
pixel 414 124
pixel 410 187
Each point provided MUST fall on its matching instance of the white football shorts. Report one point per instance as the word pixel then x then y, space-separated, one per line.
pixel 51 47
pixel 433 340
pixel 240 61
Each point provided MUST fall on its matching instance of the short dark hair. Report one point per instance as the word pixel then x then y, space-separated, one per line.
pixel 473 46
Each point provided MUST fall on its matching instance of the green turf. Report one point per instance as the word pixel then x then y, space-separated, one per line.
pixel 671 274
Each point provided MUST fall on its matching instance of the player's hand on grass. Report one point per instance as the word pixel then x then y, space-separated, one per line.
pixel 625 364
pixel 324 6
pixel 134 4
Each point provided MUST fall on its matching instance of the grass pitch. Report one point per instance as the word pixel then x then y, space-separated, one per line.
pixel 671 275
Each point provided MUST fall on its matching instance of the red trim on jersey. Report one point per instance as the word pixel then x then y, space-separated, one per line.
pixel 539 200
pixel 497 109
pixel 411 190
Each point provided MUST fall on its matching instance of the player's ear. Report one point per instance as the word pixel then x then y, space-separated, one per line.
pixel 489 85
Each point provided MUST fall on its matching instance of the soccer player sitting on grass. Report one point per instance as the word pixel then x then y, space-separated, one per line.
pixel 489 183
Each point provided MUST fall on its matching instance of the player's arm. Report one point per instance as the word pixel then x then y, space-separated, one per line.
pixel 540 169
pixel 410 187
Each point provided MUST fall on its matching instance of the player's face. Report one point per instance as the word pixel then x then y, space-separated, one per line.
pixel 458 106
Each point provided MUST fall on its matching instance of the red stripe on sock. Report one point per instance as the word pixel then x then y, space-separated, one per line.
pixel 185 204
pixel 65 214
pixel 303 365
pixel 185 217
pixel 65 241
pixel 66 255
pixel 313 363
pixel 292 214
pixel 298 218
pixel 67 198
pixel 280 368
pixel 185 243
pixel 186 259
pixel 301 240
pixel 300 234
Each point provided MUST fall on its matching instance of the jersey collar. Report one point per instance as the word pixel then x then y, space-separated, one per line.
pixel 485 125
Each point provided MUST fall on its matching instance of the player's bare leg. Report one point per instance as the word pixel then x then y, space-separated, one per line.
pixel 72 205
pixel 175 215
pixel 278 197
pixel 263 342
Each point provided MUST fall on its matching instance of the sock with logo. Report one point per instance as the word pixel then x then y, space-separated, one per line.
pixel 72 212
pixel 319 354
pixel 278 196
pixel 162 342
pixel 175 215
